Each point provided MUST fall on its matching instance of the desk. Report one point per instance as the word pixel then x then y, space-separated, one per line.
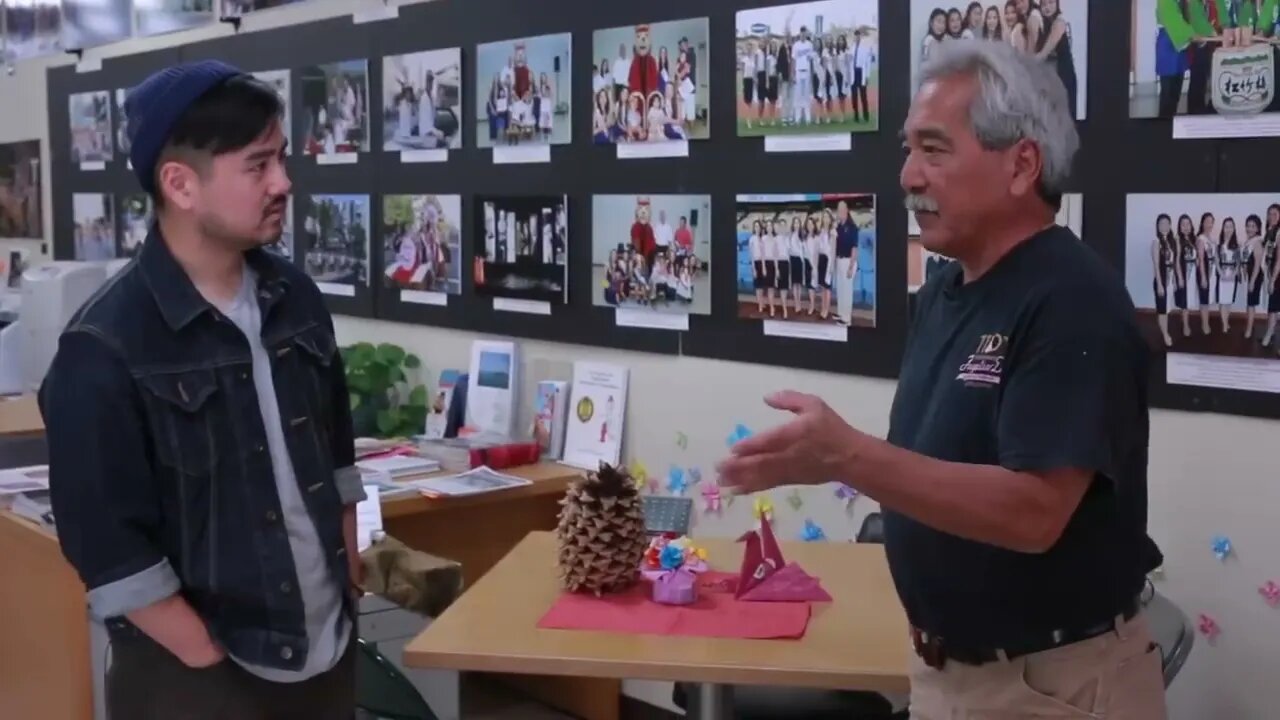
pixel 857 642
pixel 20 415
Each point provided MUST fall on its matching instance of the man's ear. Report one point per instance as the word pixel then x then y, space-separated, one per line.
pixel 178 183
pixel 1027 165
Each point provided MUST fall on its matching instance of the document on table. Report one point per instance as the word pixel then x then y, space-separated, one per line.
pixel 474 481
pixel 24 479
pixel 368 518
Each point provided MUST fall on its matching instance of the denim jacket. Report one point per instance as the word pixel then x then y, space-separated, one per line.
pixel 160 476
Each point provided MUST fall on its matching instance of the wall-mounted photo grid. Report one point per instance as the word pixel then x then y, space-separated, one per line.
pixel 923 264
pixel 336 101
pixel 335 236
pixel 91 141
pixel 92 23
pixel 807 263
pixel 1055 31
pixel 808 69
pixel 646 85
pixel 651 258
pixel 32 28
pixel 422 247
pixel 522 252
pixel 1204 273
pixel 522 93
pixel 21 215
pixel 1209 65
pixel 422 101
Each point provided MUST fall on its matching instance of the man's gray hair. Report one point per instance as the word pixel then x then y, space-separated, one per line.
pixel 1018 97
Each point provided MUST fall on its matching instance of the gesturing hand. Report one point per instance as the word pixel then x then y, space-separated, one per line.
pixel 808 450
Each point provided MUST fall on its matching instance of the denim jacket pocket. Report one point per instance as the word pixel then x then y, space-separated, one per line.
pixel 181 408
pixel 317 345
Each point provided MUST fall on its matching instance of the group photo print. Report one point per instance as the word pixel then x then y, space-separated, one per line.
pixel 422 244
pixel 808 68
pixel 522 250
pixel 95 226
pixel 652 252
pixel 21 213
pixel 646 85
pixel 522 93
pixel 923 265
pixel 1054 31
pixel 32 28
pixel 93 23
pixel 90 115
pixel 1204 271
pixel 1204 57
pixel 422 100
pixel 336 99
pixel 336 242
pixel 807 258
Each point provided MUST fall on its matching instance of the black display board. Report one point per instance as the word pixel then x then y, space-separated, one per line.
pixel 1118 156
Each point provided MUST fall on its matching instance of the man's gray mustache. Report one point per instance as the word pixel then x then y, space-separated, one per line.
pixel 920 203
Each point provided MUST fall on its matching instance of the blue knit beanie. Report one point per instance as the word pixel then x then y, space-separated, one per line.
pixel 156 104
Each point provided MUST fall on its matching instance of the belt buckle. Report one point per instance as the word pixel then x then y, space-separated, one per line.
pixel 929 648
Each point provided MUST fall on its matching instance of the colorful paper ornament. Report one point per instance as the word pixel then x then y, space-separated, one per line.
pixel 676 483
pixel 695 475
pixel 639 472
pixel 1270 592
pixel 711 497
pixel 740 433
pixel 682 440
pixel 1208 627
pixel 795 500
pixel 1221 546
pixel 811 532
pixel 762 508
pixel 847 494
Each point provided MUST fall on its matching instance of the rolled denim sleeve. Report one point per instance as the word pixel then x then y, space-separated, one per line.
pixel 342 442
pixel 106 505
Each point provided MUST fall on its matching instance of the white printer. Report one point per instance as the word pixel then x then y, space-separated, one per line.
pixel 51 294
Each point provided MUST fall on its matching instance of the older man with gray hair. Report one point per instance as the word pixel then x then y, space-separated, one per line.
pixel 1013 479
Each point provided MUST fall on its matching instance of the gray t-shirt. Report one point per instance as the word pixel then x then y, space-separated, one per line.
pixel 328 629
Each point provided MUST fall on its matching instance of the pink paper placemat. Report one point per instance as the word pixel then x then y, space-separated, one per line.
pixel 716 613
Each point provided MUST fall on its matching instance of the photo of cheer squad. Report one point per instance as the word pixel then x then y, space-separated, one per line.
pixel 422 236
pixel 807 258
pixel 652 252
pixel 522 91
pixel 650 90
pixel 1054 31
pixel 1204 57
pixel 1204 271
pixel 808 68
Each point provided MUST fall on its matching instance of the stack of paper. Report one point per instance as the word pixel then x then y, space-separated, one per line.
pixel 472 482
pixel 399 466
pixel 24 479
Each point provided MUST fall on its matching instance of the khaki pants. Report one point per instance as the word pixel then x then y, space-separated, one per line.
pixel 1116 675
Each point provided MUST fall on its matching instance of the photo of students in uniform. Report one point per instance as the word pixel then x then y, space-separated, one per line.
pixel 922 264
pixel 1204 271
pixel 808 68
pixel 32 28
pixel 236 8
pixel 336 241
pixel 522 94
pixel 135 222
pixel 422 242
pixel 95 226
pixel 154 17
pixel 91 23
pixel 652 252
pixel 522 248
pixel 646 85
pixel 1054 31
pixel 21 215
pixel 1179 45
pixel 422 100
pixel 279 81
pixel 90 114
pixel 807 258
pixel 336 98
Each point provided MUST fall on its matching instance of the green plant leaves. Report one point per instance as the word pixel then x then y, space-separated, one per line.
pixel 388 421
pixel 418 396
pixel 412 361
pixel 389 354
pixel 373 374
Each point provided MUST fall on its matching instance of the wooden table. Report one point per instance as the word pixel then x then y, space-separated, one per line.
pixel 857 642
pixel 20 415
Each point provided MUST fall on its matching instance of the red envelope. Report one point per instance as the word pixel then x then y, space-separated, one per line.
pixel 766 577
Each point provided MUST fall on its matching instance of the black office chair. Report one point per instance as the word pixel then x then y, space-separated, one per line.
pixel 383 692
pixel 767 702
pixel 1171 629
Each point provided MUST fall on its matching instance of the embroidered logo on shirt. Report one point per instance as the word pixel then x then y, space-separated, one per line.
pixel 985 365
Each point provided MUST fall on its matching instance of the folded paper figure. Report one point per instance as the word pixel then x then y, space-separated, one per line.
pixel 766 577
pixel 672 565
pixel 675 587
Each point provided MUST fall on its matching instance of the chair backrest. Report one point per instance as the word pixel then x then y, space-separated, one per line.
pixel 384 691
pixel 1172 630
pixel 872 530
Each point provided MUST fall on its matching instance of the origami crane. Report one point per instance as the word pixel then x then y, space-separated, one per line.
pixel 682 440
pixel 847 494
pixel 711 495
pixel 763 508
pixel 811 532
pixel 740 432
pixel 1271 593
pixel 1221 546
pixel 766 577
pixel 676 482
pixel 695 475
pixel 795 500
pixel 1209 627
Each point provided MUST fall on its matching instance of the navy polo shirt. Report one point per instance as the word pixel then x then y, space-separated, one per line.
pixel 1036 365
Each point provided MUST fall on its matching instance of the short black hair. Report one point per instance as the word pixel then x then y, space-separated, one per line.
pixel 224 119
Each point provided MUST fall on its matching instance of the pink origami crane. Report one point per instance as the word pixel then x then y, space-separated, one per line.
pixel 1270 592
pixel 711 495
pixel 1209 627
pixel 767 577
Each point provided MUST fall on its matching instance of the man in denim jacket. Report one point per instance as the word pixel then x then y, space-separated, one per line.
pixel 200 440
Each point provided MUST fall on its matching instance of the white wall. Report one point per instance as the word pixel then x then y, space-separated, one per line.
pixel 1209 474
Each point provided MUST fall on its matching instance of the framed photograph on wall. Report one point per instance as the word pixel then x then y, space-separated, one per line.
pixel 91 137
pixel 647 84
pixel 1202 269
pixel 279 81
pixel 336 242
pixel 135 222
pixel 95 226
pixel 807 263
pixel 21 211
pixel 422 103
pixel 422 247
pixel 156 17
pixel 92 23
pixel 335 97
pixel 523 96
pixel 32 28
pixel 522 252
pixel 1056 31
